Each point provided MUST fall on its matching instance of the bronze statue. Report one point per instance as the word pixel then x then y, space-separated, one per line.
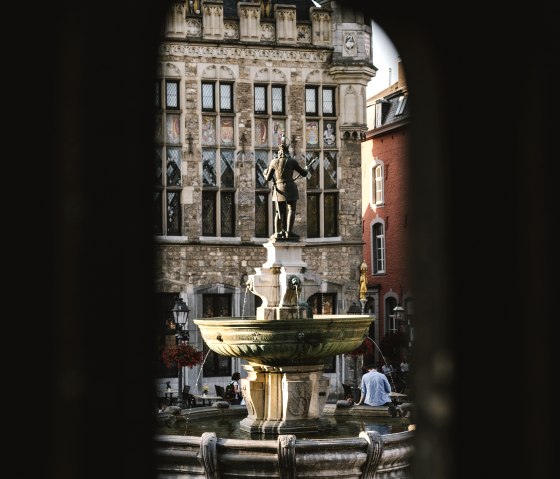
pixel 285 195
pixel 363 280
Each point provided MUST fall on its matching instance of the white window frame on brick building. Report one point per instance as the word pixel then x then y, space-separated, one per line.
pixel 382 106
pixel 377 183
pixel 323 180
pixel 168 156
pixel 378 258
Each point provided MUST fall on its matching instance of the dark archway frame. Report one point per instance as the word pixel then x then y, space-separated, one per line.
pixel 482 140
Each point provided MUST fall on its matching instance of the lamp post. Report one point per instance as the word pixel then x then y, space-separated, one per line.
pixel 398 312
pixel 181 315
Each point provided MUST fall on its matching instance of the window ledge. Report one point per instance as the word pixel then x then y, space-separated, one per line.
pixel 171 239
pixel 333 239
pixel 260 240
pixel 220 239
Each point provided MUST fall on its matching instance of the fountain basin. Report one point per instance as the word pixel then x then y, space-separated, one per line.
pixel 289 342
pixel 285 389
pixel 367 455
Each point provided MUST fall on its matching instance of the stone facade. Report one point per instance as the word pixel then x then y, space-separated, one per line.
pixel 292 45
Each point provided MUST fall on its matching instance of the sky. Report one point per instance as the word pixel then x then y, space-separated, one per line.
pixel 384 56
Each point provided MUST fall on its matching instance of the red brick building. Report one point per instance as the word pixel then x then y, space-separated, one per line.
pixel 385 218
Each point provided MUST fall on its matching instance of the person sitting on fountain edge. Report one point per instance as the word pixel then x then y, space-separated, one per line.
pixel 285 194
pixel 375 389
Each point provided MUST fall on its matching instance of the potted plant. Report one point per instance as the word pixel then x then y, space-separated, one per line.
pixel 182 355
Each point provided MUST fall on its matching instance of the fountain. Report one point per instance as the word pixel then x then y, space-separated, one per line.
pixel 285 390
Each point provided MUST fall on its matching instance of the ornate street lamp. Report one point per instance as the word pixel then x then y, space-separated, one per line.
pixel 181 314
pixel 398 311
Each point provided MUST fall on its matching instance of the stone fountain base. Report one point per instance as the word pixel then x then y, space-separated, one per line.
pixel 366 455
pixel 286 399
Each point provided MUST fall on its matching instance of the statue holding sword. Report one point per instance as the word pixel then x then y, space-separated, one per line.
pixel 285 192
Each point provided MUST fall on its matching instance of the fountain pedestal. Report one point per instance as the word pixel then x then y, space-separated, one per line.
pixel 279 281
pixel 287 399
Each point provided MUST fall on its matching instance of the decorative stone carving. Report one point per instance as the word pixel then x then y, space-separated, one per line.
pixel 303 34
pixel 287 456
pixel 226 73
pixel 321 26
pixel 197 51
pixel 249 21
pixel 292 291
pixel 231 30
pixel 172 70
pixel 267 32
pixel 352 459
pixel 349 47
pixel 353 135
pixel 278 76
pixel 266 75
pixel 313 77
pixel 209 456
pixel 209 72
pixel 374 452
pixel 175 21
pixel 262 75
pixel 299 396
pixel 213 20
pixel 193 28
pixel 286 31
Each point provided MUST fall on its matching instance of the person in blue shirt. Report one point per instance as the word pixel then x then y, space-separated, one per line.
pixel 375 389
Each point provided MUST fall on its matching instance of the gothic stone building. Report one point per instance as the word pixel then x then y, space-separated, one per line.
pixel 232 78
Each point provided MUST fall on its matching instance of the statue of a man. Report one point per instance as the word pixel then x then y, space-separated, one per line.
pixel 285 195
pixel 363 280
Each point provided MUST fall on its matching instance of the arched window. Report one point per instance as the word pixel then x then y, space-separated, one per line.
pixel 390 321
pixel 378 247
